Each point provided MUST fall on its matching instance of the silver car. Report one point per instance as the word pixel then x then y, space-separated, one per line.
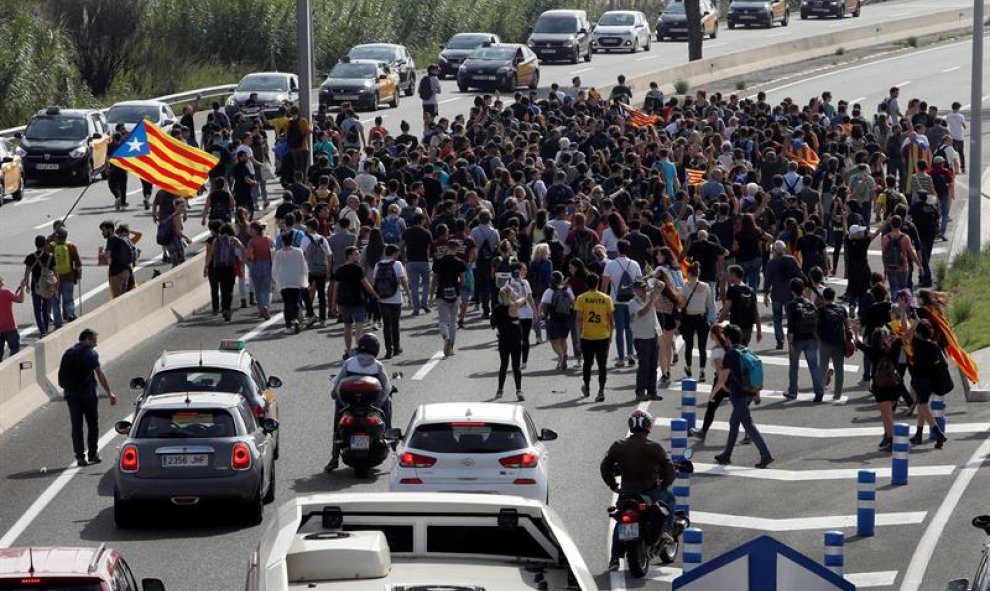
pixel 623 30
pixel 191 448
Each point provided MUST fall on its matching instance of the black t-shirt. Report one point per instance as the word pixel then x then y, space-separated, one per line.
pixel 300 193
pixel 284 208
pixel 743 300
pixel 119 252
pixel 349 289
pixel 448 270
pixel 165 202
pixel 45 259
pixel 639 247
pixel 706 253
pixel 749 244
pixel 724 229
pixel 811 246
pixel 417 240
pixel 432 192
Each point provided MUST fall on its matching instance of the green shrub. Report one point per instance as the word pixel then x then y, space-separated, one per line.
pixel 682 87
pixel 912 41
pixel 840 51
pixel 960 311
pixel 740 85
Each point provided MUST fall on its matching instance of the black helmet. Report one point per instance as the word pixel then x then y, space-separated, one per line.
pixel 368 343
pixel 639 421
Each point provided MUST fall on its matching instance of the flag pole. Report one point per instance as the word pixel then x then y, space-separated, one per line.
pixel 78 199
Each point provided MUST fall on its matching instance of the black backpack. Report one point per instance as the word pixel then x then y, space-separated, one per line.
pixel 807 320
pixel 386 282
pixel 746 304
pixel 561 305
pixel 833 325
pixel 425 89
pixel 625 292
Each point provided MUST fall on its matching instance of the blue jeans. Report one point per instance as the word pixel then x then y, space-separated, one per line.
pixel 42 306
pixel 419 282
pixel 898 280
pixel 809 347
pixel 778 320
pixel 64 304
pixel 261 281
pixel 751 272
pixel 659 495
pixel 741 416
pixel 944 205
pixel 623 333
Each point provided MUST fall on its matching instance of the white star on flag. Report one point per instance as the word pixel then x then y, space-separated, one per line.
pixel 135 145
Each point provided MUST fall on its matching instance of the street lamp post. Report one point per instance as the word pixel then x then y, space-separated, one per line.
pixel 976 131
pixel 304 49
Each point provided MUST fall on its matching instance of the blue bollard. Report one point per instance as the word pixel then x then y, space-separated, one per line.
pixel 938 411
pixel 689 403
pixel 866 507
pixel 691 553
pixel 682 493
pixel 678 438
pixel 835 552
pixel 899 459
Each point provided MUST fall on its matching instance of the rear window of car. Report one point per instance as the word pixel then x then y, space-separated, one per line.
pixel 199 379
pixel 186 424
pixel 43 584
pixel 464 438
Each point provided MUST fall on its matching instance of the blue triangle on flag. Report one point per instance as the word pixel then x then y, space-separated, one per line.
pixel 136 143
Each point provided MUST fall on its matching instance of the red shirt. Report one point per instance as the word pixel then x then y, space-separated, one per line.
pixel 7 299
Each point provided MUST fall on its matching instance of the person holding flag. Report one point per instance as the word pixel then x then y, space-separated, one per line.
pixel 915 149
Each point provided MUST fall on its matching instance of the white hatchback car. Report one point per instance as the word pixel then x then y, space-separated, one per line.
pixel 473 447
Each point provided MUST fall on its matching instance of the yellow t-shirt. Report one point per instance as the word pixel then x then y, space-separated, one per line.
pixel 595 309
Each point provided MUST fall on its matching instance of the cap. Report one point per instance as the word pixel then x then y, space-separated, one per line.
pixel 61 233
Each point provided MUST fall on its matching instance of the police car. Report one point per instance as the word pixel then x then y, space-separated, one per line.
pixel 229 368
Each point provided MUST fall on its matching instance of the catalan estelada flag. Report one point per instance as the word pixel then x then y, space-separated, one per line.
pixel 799 151
pixel 637 118
pixel 955 351
pixel 695 176
pixel 156 157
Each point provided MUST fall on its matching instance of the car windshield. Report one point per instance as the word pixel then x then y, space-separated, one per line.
pixel 56 128
pixel 186 424
pixel 382 54
pixel 556 25
pixel 466 41
pixel 132 114
pixel 494 53
pixel 199 379
pixel 263 83
pixel 353 71
pixel 674 8
pixel 467 438
pixel 616 19
pixel 49 585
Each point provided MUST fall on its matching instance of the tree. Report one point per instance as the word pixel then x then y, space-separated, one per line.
pixel 692 10
pixel 104 34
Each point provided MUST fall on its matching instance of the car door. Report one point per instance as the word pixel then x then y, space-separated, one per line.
pixel 405 64
pixel 523 71
pixel 98 146
pixel 11 167
pixel 261 381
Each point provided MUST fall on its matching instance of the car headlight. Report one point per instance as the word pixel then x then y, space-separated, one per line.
pixel 767 7
pixel 79 152
pixel 569 42
pixel 231 102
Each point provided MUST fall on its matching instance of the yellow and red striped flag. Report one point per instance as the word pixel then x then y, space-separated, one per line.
pixel 637 118
pixel 156 157
pixel 799 151
pixel 695 176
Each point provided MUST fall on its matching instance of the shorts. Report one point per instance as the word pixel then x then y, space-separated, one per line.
pixel 667 321
pixel 888 394
pixel 353 314
pixel 557 330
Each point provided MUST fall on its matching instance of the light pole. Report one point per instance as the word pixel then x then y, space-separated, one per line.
pixel 976 131
pixel 304 49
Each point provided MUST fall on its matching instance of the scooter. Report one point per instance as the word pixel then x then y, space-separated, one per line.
pixel 641 525
pixel 361 434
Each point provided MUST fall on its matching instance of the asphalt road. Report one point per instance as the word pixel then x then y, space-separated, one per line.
pixel 806 492
pixel 44 203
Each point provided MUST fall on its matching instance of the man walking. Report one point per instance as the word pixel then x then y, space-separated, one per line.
pixel 896 252
pixel 618 278
pixel 119 254
pixel 645 330
pixel 78 374
pixel 8 327
pixel 68 269
pixel 317 251
pixel 835 326
pixel 417 239
pixel 736 375
pixel 429 88
pixel 594 323
pixel 351 291
pixel 802 337
pixel 448 276
pixel 781 269
pixel 387 278
pixel 486 240
pixel 740 307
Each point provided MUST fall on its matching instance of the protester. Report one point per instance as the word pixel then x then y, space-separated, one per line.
pixel 290 275
pixel 732 378
pixel 594 311
pixel 9 335
pixel 78 374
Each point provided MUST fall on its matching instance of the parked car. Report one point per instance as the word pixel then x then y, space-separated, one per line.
pixel 672 22
pixel 459 47
pixel 50 568
pixel 836 8
pixel 130 113
pixel 625 30
pixel 263 93
pixel 11 173
pixel 364 83
pixel 763 13
pixel 504 67
pixel 561 35
pixel 396 56
pixel 65 142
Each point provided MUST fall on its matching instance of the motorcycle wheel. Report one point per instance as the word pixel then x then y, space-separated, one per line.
pixel 668 552
pixel 637 558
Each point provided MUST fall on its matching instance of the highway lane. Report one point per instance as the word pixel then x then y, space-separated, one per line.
pixel 44 203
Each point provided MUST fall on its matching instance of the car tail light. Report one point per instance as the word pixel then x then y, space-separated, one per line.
pixel 410 481
pixel 526 460
pixel 346 421
pixel 630 517
pixel 240 458
pixel 258 411
pixel 642 507
pixel 523 481
pixel 129 459
pixel 372 420
pixel 30 581
pixel 411 460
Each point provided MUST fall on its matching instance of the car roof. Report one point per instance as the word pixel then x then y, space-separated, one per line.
pixel 50 560
pixel 67 112
pixel 479 34
pixel 206 358
pixel 633 12
pixel 392 45
pixel 140 104
pixel 286 74
pixel 196 400
pixel 470 411
pixel 364 60
pixel 564 12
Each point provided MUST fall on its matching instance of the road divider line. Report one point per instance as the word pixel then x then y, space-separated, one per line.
pixel 833 432
pixel 768 524
pixel 903 84
pixel 581 70
pixel 857 100
pixel 952 69
pixel 429 365
pixel 48 223
pixel 450 100
pixel 811 475
pixel 644 58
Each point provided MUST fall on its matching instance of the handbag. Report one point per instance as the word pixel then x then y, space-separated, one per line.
pixel 848 345
pixel 942 380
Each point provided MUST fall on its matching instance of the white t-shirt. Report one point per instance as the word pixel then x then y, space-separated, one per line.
pixel 610 240
pixel 956 123
pixel 614 270
pixel 400 272
pixel 547 298
pixel 521 289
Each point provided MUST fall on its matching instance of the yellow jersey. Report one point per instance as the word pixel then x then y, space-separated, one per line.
pixel 596 310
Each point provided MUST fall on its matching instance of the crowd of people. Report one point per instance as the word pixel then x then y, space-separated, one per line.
pixel 576 219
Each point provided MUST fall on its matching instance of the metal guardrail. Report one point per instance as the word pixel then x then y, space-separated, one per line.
pixel 209 92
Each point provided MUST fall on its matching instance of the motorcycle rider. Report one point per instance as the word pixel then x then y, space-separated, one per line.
pixel 644 468
pixel 364 362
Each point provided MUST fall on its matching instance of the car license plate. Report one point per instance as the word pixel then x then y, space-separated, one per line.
pixel 747 16
pixel 484 77
pixel 360 442
pixel 346 97
pixel 549 51
pixel 185 460
pixel 628 531
pixel 47 166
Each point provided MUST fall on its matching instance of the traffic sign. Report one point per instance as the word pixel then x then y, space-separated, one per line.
pixel 765 565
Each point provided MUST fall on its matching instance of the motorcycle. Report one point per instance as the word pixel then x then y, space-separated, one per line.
pixel 361 435
pixel 641 525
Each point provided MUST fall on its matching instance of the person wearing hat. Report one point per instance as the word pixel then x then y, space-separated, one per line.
pixel 8 326
pixel 78 373
pixel 645 330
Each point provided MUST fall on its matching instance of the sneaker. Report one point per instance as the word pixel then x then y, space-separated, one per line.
pixel 699 434
pixel 585 391
pixel 446 347
pixel 426 309
pixel 819 397
pixel 863 382
pixel 498 394
pixel 116 204
pixel 322 324
pixel 687 370
pixel 885 442
pixel 940 440
pixel 828 377
pixel 640 397
pixel 94 459
pixel 613 565
pixel 916 440
pixel 331 465
pixel 415 312
pixel 632 361
pixel 620 363
pixel 311 321
pixel 656 397
pixel 460 323
pixel 722 460
pixel 664 381
pixel 398 351
pixel 764 463
pixel 780 346
pixel 600 397
pixel 790 396
pixel 296 327
pixel 226 316
pixel 701 376
pixel 519 396
pixel 836 397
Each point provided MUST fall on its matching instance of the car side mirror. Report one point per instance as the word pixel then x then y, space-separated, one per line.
pixel 958 585
pixel 547 435
pixel 582 31
pixel 6 160
pixel 982 522
pixel 274 382
pixel 269 425
pixel 152 585
pixel 393 434
pixel 122 427
pixel 168 122
pixel 138 384
pixel 17 135
pixel 97 136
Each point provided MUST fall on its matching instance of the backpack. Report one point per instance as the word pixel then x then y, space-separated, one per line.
pixel 166 231
pixel 390 230
pixel 791 188
pixel 220 207
pixel 893 254
pixel 486 253
pixel 833 325
pixel 316 257
pixel 885 370
pixel 223 253
pixel 425 89
pixel 584 248
pixel 47 283
pixel 750 371
pixel 386 282
pixel 63 262
pixel 70 370
pixel 353 136
pixel 807 320
pixel 561 304
pixel 747 303
pixel 624 293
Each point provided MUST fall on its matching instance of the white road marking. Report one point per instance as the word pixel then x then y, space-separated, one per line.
pixel 135 191
pixel 582 70
pixel 841 23
pixel 662 574
pixel 645 57
pixel 933 533
pixel 778 34
pixel 952 69
pixel 809 475
pixel 801 523
pixel 903 84
pixel 450 100
pixel 434 360
pixel 769 394
pixel 716 44
pixel 49 494
pixel 857 100
pixel 882 578
pixel 834 432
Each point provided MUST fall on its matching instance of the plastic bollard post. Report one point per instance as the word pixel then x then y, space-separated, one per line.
pixel 835 551
pixel 866 503
pixel 899 459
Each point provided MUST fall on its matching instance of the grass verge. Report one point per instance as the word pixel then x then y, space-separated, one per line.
pixel 967 280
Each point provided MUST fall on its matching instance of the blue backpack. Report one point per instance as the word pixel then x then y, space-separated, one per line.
pixel 390 230
pixel 751 371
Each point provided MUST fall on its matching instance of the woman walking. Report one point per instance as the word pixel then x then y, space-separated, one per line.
pixel 246 288
pixel 926 355
pixel 667 307
pixel 522 289
pixel 506 320
pixel 258 254
pixel 884 350
pixel 539 272
pixel 291 275
pixel 717 396
pixel 557 307
pixel 698 303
